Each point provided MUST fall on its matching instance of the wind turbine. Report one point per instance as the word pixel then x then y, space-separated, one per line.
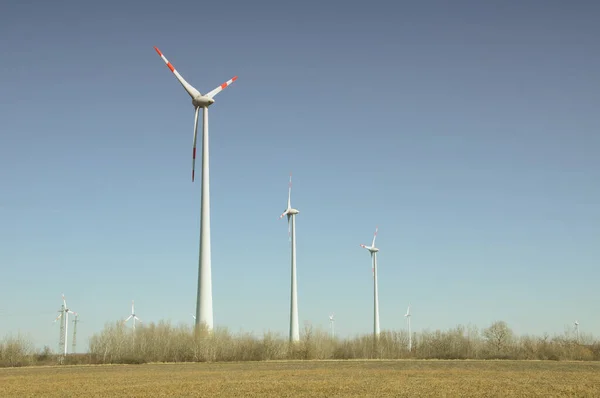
pixel 132 316
pixel 64 314
pixel 291 216
pixel 577 330
pixel 407 315
pixel 331 322
pixel 373 250
pixel 204 307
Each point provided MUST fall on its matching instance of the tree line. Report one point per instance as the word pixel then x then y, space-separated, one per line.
pixel 163 342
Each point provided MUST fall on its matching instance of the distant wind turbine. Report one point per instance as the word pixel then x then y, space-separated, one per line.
pixel 407 315
pixel 373 250
pixel 577 330
pixel 291 217
pixel 332 322
pixel 204 306
pixel 135 318
pixel 64 314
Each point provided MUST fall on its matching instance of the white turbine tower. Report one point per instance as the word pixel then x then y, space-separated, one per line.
pixel 291 216
pixel 332 322
pixel 407 315
pixel 64 314
pixel 204 306
pixel 577 330
pixel 135 318
pixel 373 250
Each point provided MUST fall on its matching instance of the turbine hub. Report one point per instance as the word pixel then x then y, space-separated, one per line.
pixel 293 211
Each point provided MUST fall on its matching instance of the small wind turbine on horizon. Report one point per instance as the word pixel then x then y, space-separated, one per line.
pixel 135 318
pixel 373 250
pixel 577 330
pixel 64 314
pixel 332 322
pixel 204 305
pixel 291 217
pixel 407 315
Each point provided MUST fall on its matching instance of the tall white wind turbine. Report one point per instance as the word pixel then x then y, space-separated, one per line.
pixel 407 315
pixel 204 306
pixel 291 216
pixel 64 314
pixel 135 318
pixel 332 323
pixel 373 250
pixel 577 330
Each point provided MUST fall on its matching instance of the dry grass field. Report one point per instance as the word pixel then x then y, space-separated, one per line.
pixel 401 378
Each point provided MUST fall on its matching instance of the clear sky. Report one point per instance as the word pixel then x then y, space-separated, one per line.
pixel 466 130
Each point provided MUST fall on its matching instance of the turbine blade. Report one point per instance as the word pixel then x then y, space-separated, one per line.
pixel 221 87
pixel 58 317
pixel 188 87
pixel 373 264
pixel 128 318
pixel 137 319
pixel 283 214
pixel 64 301
pixel 194 143
pixel 289 228
pixel 374 236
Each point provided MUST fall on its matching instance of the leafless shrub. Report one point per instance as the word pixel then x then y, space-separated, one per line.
pixel 16 351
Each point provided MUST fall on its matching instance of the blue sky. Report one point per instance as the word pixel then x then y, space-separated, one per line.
pixel 468 132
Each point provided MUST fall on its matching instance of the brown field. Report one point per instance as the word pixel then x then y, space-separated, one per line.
pixel 400 378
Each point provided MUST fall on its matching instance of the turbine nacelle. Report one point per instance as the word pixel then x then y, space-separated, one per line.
pixel 202 101
pixel 292 211
pixel 370 248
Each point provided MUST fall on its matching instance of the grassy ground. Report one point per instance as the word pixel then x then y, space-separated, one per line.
pixel 409 378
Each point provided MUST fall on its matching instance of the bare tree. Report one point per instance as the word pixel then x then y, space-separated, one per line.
pixel 498 336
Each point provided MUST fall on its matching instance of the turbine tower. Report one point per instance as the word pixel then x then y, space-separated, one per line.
pixel 577 330
pixel 61 335
pixel 204 305
pixel 291 216
pixel 407 315
pixel 373 250
pixel 331 322
pixel 64 314
pixel 132 316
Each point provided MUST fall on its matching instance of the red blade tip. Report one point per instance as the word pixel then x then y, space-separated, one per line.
pixel 234 78
pixel 158 51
